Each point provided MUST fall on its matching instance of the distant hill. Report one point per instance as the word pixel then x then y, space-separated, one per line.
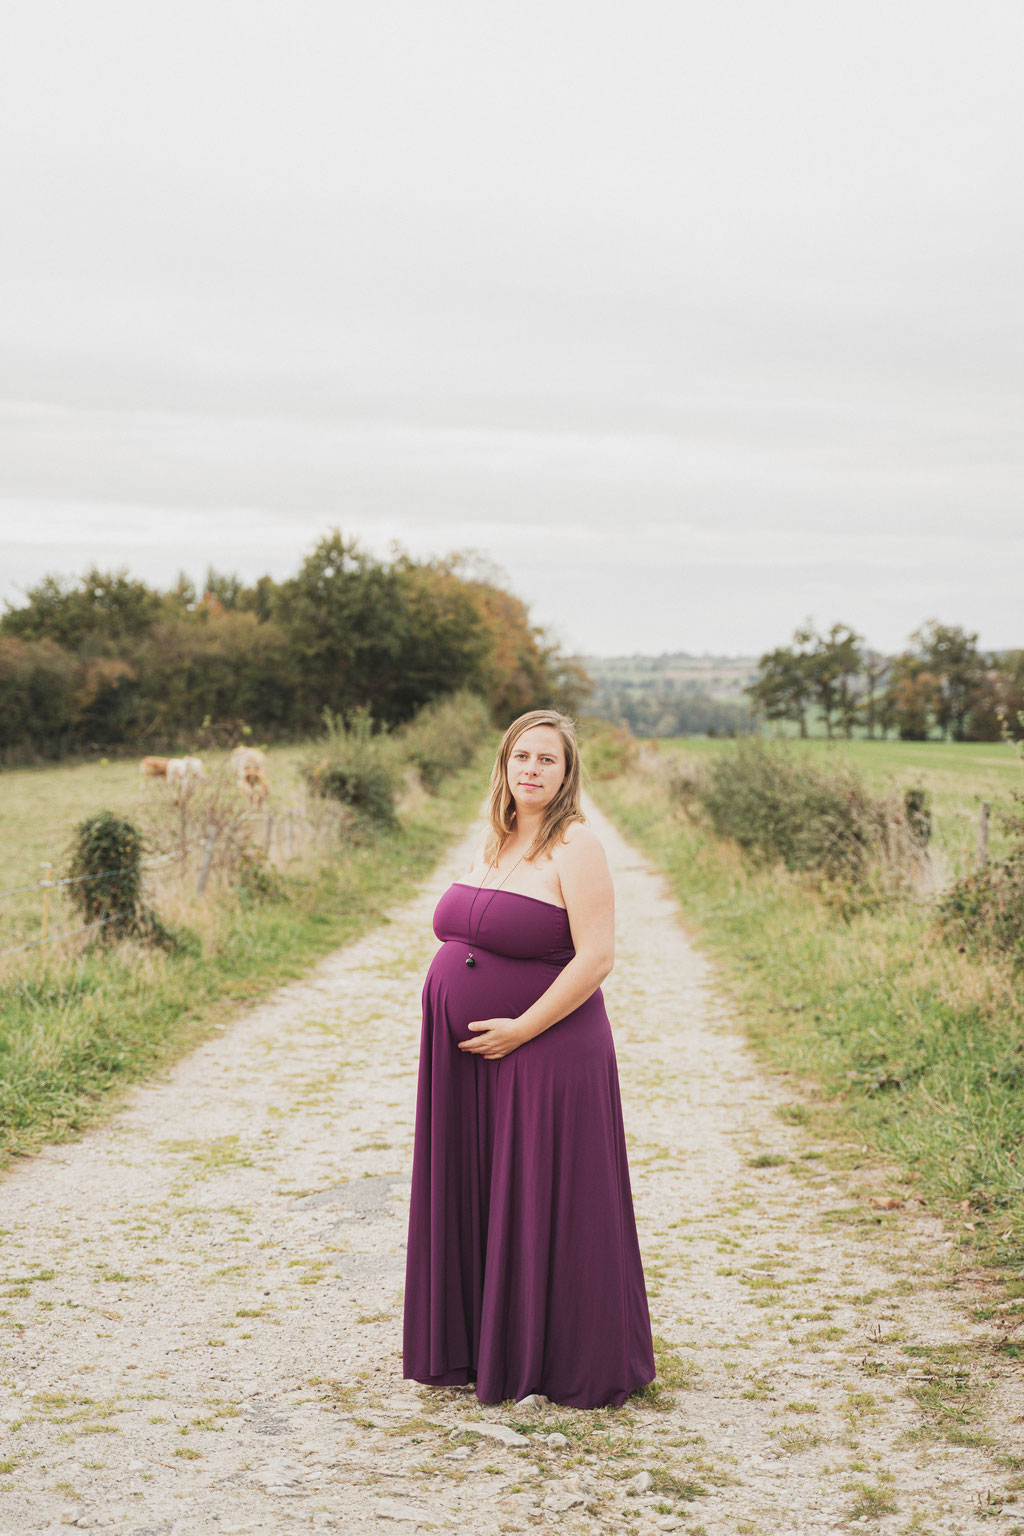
pixel 674 694
pixel 720 677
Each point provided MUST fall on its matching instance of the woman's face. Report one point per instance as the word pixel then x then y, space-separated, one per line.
pixel 536 767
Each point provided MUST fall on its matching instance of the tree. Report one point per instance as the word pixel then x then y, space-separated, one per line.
pixel 782 689
pixel 569 682
pixel 1011 682
pixel 38 683
pixel 342 615
pixel 261 599
pixel 845 645
pixel 876 667
pixel 952 656
pixel 228 589
pixel 106 706
pixel 210 664
pixel 911 696
pixel 100 611
pixel 104 660
pixel 833 661
pixel 514 675
pixel 444 640
pixel 998 704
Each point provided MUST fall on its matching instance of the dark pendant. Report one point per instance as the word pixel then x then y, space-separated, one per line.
pixel 470 961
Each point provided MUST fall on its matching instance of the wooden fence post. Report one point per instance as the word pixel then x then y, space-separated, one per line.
pixel 204 868
pixel 47 869
pixel 983 818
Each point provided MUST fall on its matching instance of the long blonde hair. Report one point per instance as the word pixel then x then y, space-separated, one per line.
pixel 564 808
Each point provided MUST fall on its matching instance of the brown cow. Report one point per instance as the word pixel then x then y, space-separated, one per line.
pixel 247 757
pixel 154 767
pixel 254 786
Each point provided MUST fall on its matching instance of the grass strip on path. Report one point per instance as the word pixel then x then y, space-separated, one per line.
pixel 73 1031
pixel 898 1044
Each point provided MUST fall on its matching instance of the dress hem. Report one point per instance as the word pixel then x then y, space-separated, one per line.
pixel 463 1378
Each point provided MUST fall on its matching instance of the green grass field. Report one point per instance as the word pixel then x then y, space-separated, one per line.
pixel 898 1045
pixel 985 767
pixel 77 1021
pixel 958 776
pixel 40 808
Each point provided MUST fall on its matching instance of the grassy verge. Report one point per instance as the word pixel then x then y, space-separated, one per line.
pixel 958 776
pixel 73 1031
pixel 40 807
pixel 896 1042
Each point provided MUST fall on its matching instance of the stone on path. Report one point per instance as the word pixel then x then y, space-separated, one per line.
pixel 503 1432
pixel 395 1509
pixel 280 1474
pixel 564 1497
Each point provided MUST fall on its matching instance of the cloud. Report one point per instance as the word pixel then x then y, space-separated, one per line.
pixel 689 315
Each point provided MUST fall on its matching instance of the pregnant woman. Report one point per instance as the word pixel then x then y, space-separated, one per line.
pixel 523 1272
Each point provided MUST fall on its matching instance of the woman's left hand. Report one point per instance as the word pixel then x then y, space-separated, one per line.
pixel 500 1037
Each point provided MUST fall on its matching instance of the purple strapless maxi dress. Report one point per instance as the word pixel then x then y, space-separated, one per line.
pixel 523 1271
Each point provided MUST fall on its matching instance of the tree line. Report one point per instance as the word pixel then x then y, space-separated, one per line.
pixel 942 683
pixel 105 661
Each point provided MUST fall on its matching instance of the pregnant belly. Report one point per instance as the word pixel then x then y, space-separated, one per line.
pixel 495 988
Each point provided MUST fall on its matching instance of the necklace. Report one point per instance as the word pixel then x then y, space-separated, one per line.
pixel 471 958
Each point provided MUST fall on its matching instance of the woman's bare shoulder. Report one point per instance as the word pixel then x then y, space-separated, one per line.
pixel 580 832
pixel 579 842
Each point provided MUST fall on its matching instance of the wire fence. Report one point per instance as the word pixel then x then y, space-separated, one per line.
pixel 68 933
pixel 286 821
pixel 46 885
pixel 105 874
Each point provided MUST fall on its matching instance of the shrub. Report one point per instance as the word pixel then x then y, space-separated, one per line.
pixel 258 880
pixel 358 767
pixel 106 868
pixel 778 805
pixel 444 736
pixel 986 909
pixel 685 778
pixel 607 749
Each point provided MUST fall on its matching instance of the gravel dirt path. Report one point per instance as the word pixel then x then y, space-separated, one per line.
pixel 201 1301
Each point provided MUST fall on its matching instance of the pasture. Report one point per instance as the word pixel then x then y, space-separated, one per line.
pixel 40 808
pixel 958 777
pixel 906 1047
pixel 79 1018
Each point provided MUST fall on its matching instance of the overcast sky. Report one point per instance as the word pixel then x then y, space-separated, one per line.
pixel 698 317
